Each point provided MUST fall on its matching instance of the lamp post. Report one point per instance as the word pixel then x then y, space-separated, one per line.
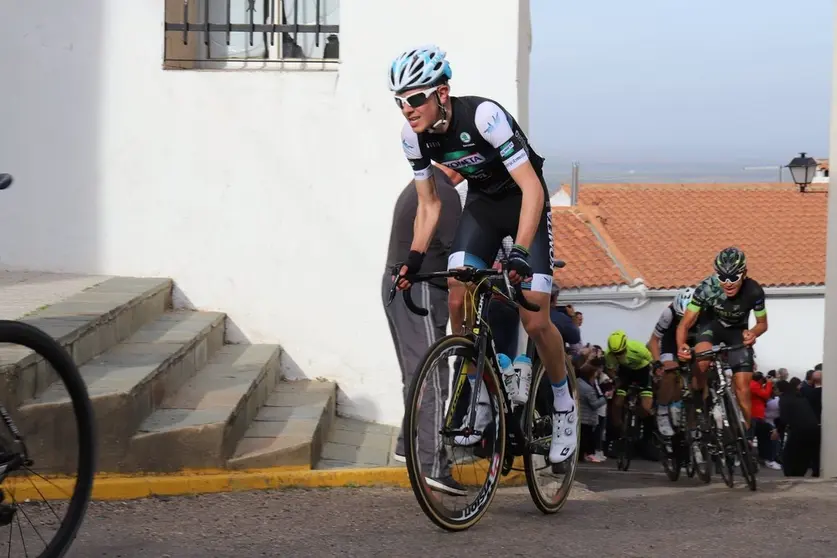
pixel 802 170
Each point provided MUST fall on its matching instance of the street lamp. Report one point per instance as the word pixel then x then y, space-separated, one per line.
pixel 802 170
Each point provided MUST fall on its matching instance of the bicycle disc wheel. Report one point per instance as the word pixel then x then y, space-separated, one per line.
pixel 21 333
pixel 426 439
pixel 538 433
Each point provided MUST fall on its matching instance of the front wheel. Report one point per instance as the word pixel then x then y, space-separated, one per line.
pixel 745 456
pixel 437 457
pixel 538 434
pixel 17 492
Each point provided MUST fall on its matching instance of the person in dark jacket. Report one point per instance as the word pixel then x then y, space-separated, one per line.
pixel 802 429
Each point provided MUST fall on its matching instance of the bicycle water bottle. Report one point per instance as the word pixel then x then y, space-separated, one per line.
pixel 509 376
pixel 523 368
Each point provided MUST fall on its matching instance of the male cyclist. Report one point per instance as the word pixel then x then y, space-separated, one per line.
pixel 507 196
pixel 663 346
pixel 631 361
pixel 721 308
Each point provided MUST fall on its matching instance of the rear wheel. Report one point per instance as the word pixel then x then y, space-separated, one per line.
pixel 558 477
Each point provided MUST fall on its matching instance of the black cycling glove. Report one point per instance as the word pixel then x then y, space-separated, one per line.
pixel 519 261
pixel 414 261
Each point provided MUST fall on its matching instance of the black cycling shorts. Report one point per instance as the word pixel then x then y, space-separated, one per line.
pixel 629 376
pixel 487 220
pixel 715 332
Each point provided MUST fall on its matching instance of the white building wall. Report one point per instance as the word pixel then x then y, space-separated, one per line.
pixel 264 194
pixel 793 339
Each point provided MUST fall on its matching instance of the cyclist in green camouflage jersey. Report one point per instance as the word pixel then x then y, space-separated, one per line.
pixel 721 308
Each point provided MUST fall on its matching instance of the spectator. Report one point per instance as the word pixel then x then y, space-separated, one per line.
pixel 605 386
pixel 771 417
pixel 782 374
pixel 814 396
pixel 801 429
pixel 590 401
pixel 560 316
pixel 412 335
pixel 761 390
pixel 578 319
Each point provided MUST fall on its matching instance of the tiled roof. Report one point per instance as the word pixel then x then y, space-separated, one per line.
pixel 822 164
pixel 580 244
pixel 667 234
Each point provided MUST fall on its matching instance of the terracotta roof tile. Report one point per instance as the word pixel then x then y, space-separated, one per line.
pixel 669 233
pixel 578 243
pixel 822 164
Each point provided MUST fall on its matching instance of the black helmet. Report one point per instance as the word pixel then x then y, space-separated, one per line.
pixel 730 262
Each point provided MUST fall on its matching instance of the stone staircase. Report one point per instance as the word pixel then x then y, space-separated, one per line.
pixel 167 392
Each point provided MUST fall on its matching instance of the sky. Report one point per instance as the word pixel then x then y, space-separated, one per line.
pixel 676 82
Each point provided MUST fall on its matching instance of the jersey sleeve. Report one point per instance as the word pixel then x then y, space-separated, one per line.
pixel 759 308
pixel 495 127
pixel 412 150
pixel 700 298
pixel 664 322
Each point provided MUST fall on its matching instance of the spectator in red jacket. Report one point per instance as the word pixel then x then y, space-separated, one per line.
pixel 761 390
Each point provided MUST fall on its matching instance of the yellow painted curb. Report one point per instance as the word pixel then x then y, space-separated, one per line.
pixel 130 487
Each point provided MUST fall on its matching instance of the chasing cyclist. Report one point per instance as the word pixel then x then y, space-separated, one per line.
pixel 721 308
pixel 507 196
pixel 631 362
pixel 663 346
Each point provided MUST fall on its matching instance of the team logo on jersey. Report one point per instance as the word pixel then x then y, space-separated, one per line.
pixel 463 160
pixel 465 137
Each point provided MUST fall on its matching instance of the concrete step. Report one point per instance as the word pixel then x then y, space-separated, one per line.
pixel 126 384
pixel 290 428
pixel 356 443
pixel 199 425
pixel 87 324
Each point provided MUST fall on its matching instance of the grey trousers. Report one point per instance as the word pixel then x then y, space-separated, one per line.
pixel 412 335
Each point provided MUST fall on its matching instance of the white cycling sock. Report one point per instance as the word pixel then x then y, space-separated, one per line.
pixel 561 393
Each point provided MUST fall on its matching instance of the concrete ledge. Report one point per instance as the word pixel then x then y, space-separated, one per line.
pixel 131 487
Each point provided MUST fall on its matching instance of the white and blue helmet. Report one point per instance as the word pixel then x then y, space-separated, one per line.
pixel 418 67
pixel 682 300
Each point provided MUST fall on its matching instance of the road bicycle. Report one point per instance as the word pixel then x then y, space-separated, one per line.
pixel 524 431
pixel 631 430
pixel 15 458
pixel 686 450
pixel 727 422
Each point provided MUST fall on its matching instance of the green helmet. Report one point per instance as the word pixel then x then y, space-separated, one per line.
pixel 730 262
pixel 617 342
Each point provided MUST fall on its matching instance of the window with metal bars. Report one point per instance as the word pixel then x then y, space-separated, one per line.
pixel 298 34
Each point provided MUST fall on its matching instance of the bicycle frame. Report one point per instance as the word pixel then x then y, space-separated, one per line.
pixel 488 283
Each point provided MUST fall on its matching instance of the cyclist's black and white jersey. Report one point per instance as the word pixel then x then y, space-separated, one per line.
pixel 483 143
pixel 667 323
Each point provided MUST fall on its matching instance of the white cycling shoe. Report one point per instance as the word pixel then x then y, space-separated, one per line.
pixel 564 435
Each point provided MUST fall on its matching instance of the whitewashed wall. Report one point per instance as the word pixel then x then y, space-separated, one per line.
pixel 794 339
pixel 264 194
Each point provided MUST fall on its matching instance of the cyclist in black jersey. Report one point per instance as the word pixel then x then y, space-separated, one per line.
pixel 720 308
pixel 507 196
pixel 663 347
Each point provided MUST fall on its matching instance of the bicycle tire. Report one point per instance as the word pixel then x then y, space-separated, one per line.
pixel 671 463
pixel 745 457
pixel 421 491
pixel 703 473
pixel 528 464
pixel 625 441
pixel 27 335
